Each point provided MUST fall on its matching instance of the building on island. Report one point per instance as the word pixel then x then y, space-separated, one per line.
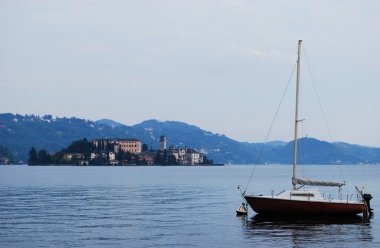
pixel 125 145
pixel 186 156
pixel 148 157
pixel 70 156
pixel 111 156
pixel 123 152
pixel 195 157
pixel 129 151
pixel 162 143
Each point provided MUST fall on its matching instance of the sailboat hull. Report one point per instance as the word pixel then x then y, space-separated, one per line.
pixel 269 205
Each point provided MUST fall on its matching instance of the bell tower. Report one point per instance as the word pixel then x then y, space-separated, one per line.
pixel 162 142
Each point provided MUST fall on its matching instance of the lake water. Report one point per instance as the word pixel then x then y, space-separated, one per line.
pixel 168 207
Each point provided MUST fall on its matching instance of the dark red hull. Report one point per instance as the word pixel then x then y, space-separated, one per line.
pixel 269 205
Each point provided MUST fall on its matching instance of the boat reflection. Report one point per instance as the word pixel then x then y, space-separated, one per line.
pixel 262 219
pixel 306 231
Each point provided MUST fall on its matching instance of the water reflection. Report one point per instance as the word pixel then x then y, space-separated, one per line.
pixel 262 219
pixel 301 231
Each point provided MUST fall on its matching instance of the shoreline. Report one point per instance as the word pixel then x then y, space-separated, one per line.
pixel 129 165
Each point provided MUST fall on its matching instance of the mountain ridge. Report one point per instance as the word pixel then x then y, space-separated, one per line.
pixel 19 133
pixel 110 122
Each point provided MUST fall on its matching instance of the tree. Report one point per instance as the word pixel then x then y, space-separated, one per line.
pixel 98 161
pixel 74 160
pixel 5 155
pixel 57 158
pixel 144 147
pixel 207 161
pixel 165 157
pixel 120 155
pixel 128 157
pixel 33 160
pixel 158 158
pixel 44 157
pixel 80 146
pixel 172 160
pixel 142 162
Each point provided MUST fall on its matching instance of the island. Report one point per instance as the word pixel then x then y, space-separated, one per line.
pixel 118 151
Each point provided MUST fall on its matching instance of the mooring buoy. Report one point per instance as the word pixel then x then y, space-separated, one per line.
pixel 242 210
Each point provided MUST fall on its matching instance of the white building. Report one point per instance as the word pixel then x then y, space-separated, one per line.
pixel 162 142
pixel 195 158
pixel 93 155
pixel 112 156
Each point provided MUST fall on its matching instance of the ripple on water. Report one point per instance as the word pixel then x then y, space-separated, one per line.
pixel 152 207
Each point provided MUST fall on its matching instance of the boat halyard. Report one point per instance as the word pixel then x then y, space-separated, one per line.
pixel 307 201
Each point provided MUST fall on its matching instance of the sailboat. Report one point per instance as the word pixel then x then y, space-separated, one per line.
pixel 299 201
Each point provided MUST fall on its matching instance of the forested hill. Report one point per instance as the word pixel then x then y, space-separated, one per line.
pixel 18 133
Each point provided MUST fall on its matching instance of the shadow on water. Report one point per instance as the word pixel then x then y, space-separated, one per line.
pixel 260 219
pixel 304 231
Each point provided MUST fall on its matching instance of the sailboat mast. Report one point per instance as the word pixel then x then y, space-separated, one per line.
pixel 296 116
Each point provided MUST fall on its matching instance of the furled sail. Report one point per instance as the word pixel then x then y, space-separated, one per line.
pixel 305 181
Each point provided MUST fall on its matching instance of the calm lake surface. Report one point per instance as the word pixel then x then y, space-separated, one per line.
pixel 169 207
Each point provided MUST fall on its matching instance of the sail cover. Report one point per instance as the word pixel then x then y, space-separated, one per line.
pixel 311 182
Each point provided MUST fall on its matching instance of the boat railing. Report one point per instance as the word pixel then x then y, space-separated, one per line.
pixel 354 197
pixel 272 193
pixel 280 192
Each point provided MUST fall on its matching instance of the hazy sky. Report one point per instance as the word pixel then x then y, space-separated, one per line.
pixel 221 65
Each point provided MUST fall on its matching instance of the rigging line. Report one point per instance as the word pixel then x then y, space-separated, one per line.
pixel 317 93
pixel 300 158
pixel 320 104
pixel 302 154
pixel 270 128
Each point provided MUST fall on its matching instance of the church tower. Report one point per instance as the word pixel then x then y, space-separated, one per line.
pixel 162 142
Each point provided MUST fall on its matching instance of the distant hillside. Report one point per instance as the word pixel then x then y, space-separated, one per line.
pixel 5 155
pixel 19 133
pixel 218 147
pixel 313 151
pixel 109 122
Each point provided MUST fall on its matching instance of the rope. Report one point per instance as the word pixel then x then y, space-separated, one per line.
pixel 317 93
pixel 301 163
pixel 320 104
pixel 269 131
pixel 301 123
